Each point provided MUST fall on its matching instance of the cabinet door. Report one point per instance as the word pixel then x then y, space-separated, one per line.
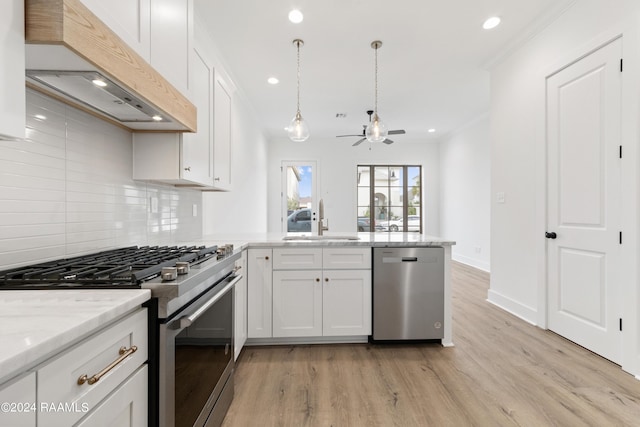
pixel 259 293
pixel 12 89
pixel 129 19
pixel 297 303
pixel 125 407
pixel 197 148
pixel 21 396
pixel 172 40
pixel 222 135
pixel 240 325
pixel 346 302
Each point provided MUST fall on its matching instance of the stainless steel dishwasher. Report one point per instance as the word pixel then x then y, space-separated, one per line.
pixel 408 294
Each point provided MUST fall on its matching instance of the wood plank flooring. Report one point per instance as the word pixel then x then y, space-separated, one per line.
pixel 501 372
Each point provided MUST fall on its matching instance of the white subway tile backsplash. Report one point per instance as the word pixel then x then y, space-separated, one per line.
pixel 68 190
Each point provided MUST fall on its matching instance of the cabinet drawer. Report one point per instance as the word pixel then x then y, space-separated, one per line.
pixel 297 259
pixel 21 396
pixel 58 380
pixel 346 258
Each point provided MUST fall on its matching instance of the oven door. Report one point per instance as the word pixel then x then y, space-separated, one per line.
pixel 196 360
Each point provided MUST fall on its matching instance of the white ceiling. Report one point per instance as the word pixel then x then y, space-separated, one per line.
pixel 432 65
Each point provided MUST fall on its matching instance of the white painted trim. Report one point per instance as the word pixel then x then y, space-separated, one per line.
pixel 528 314
pixel 472 262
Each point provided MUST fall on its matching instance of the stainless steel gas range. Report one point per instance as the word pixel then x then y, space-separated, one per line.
pixel 190 319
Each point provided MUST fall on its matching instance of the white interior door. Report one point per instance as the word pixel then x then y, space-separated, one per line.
pixel 584 195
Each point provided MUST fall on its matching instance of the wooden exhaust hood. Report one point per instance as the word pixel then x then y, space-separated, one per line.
pixel 65 40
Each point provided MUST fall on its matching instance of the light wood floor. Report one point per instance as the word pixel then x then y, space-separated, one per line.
pixel 501 372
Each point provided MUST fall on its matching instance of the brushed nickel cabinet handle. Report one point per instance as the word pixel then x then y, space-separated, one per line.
pixel 124 353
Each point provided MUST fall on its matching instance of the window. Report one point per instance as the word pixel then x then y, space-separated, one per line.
pixel 389 198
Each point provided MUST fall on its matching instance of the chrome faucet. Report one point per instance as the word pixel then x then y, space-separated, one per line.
pixel 321 226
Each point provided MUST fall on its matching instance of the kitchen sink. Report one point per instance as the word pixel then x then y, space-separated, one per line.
pixel 320 238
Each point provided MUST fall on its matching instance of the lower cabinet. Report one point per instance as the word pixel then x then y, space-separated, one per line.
pixel 101 381
pixel 240 306
pixel 312 303
pixel 309 292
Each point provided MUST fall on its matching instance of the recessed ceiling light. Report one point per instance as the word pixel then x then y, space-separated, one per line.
pixel 40 117
pixel 273 81
pixel 157 118
pixel 490 23
pixel 296 16
pixel 431 130
pixel 98 82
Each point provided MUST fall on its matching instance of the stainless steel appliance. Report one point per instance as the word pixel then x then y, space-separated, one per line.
pixel 408 294
pixel 190 319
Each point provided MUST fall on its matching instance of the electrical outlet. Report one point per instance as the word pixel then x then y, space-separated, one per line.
pixel 478 249
pixel 500 197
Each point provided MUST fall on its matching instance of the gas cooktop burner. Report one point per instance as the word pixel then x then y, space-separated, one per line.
pixel 118 268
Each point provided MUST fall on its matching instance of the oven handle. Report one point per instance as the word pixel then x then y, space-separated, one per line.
pixel 187 321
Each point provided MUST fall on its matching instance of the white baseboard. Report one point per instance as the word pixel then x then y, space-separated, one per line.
pixel 476 263
pixel 509 305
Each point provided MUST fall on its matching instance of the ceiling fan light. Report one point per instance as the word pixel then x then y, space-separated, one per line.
pixel 376 130
pixel 298 130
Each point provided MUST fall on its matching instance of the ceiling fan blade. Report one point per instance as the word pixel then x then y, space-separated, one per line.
pixel 388 141
pixel 340 136
pixel 359 141
pixel 396 132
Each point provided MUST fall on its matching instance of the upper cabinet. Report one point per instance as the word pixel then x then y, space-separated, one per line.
pixel 172 41
pixel 221 134
pixel 129 19
pixel 12 90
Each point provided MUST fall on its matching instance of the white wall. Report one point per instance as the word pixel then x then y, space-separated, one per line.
pixel 68 190
pixel 337 162
pixel 465 192
pixel 518 157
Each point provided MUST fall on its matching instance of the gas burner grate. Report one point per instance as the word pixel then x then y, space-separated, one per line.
pixel 118 268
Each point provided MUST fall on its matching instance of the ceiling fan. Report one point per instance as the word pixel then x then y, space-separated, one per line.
pixel 364 127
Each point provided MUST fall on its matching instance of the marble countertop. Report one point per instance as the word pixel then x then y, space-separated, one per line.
pixel 253 240
pixel 35 325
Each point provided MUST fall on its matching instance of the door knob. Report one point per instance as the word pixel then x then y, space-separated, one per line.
pixel 551 235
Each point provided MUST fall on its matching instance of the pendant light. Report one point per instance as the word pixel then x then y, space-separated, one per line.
pixel 376 130
pixel 298 130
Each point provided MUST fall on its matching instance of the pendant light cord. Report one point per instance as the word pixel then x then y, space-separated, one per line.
pixel 376 80
pixel 298 46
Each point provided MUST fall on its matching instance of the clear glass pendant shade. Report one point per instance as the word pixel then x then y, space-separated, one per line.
pixel 298 130
pixel 376 130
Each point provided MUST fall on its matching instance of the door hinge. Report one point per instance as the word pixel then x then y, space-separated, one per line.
pixel 621 151
pixel 621 237
pixel 621 62
pixel 621 323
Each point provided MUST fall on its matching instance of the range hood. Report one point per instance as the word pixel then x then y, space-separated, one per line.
pixel 73 56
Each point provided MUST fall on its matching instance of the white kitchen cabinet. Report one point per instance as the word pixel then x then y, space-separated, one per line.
pixel 12 88
pixel 222 97
pixel 346 302
pixel 297 303
pixel 172 28
pixel 259 293
pixel 240 315
pixel 297 259
pixel 181 158
pixel 129 19
pixel 126 407
pixel 321 292
pixel 20 395
pixel 62 379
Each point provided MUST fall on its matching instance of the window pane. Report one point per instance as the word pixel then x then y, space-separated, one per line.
pixel 364 211
pixel 396 178
pixel 364 176
pixel 395 212
pixel 363 196
pixel 382 176
pixel 414 176
pixel 413 193
pixel 413 209
pixel 381 196
pixel 396 196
